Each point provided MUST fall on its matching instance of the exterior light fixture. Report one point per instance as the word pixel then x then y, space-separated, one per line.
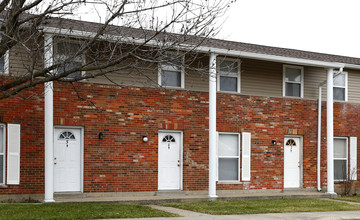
pixel 145 139
pixel 101 136
pixel 273 142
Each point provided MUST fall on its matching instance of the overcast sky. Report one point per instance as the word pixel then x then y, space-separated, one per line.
pixel 327 26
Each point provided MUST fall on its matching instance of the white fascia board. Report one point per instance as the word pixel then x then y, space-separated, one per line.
pixel 274 58
pixel 352 66
pixel 239 54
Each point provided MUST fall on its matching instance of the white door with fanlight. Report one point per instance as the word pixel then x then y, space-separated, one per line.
pixel 292 162
pixel 170 161
pixel 67 159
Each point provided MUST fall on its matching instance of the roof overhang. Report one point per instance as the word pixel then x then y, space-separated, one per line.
pixel 204 49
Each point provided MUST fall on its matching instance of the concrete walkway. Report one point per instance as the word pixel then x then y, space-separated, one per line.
pixel 271 216
pixel 189 215
pixel 151 199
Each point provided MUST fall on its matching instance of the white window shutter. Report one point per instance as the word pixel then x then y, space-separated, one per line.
pixel 13 151
pixel 353 158
pixel 217 156
pixel 246 152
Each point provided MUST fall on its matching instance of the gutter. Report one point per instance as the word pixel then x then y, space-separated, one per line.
pixel 203 49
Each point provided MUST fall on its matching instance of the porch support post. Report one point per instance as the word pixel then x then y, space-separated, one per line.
pixel 212 126
pixel 49 123
pixel 319 142
pixel 330 131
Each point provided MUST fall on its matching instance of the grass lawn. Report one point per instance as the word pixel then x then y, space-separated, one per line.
pixel 350 198
pixel 234 207
pixel 78 211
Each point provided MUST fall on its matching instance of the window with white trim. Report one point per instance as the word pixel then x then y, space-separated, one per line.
pixel 293 81
pixel 2 153
pixel 4 62
pixel 340 158
pixel 66 54
pixel 228 75
pixel 171 75
pixel 340 87
pixel 10 152
pixel 229 157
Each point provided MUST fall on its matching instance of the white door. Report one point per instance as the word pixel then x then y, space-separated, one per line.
pixel 292 163
pixel 67 160
pixel 169 161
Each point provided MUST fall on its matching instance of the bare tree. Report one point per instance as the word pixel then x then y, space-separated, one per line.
pixel 132 36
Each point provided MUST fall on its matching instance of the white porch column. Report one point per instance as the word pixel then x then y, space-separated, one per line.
pixel 49 124
pixel 212 126
pixel 330 131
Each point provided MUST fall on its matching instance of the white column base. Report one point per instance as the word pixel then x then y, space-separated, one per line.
pixel 213 196
pixel 49 200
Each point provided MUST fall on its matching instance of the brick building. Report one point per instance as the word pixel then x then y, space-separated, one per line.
pixel 250 121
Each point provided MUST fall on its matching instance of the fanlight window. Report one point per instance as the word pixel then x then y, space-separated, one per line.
pixel 291 143
pixel 66 135
pixel 168 138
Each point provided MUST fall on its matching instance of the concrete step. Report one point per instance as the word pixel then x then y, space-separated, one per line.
pixel 170 193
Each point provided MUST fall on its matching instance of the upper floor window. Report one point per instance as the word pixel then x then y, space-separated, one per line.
pixel 66 53
pixel 340 87
pixel 293 81
pixel 229 76
pixel 4 62
pixel 171 75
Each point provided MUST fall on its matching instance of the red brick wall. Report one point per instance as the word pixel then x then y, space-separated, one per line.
pixel 121 162
pixel 27 109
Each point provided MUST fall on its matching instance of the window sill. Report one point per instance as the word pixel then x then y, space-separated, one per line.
pixel 339 181
pixel 340 100
pixel 229 182
pixel 228 92
pixel 293 97
pixel 171 87
pixel 3 186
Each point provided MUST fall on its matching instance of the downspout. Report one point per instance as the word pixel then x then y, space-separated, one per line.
pixel 319 131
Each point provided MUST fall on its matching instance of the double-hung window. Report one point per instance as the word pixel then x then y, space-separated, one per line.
pixel 4 62
pixel 340 158
pixel 11 154
pixel 340 87
pixel 66 55
pixel 293 81
pixel 171 72
pixel 229 157
pixel 229 76
pixel 171 75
